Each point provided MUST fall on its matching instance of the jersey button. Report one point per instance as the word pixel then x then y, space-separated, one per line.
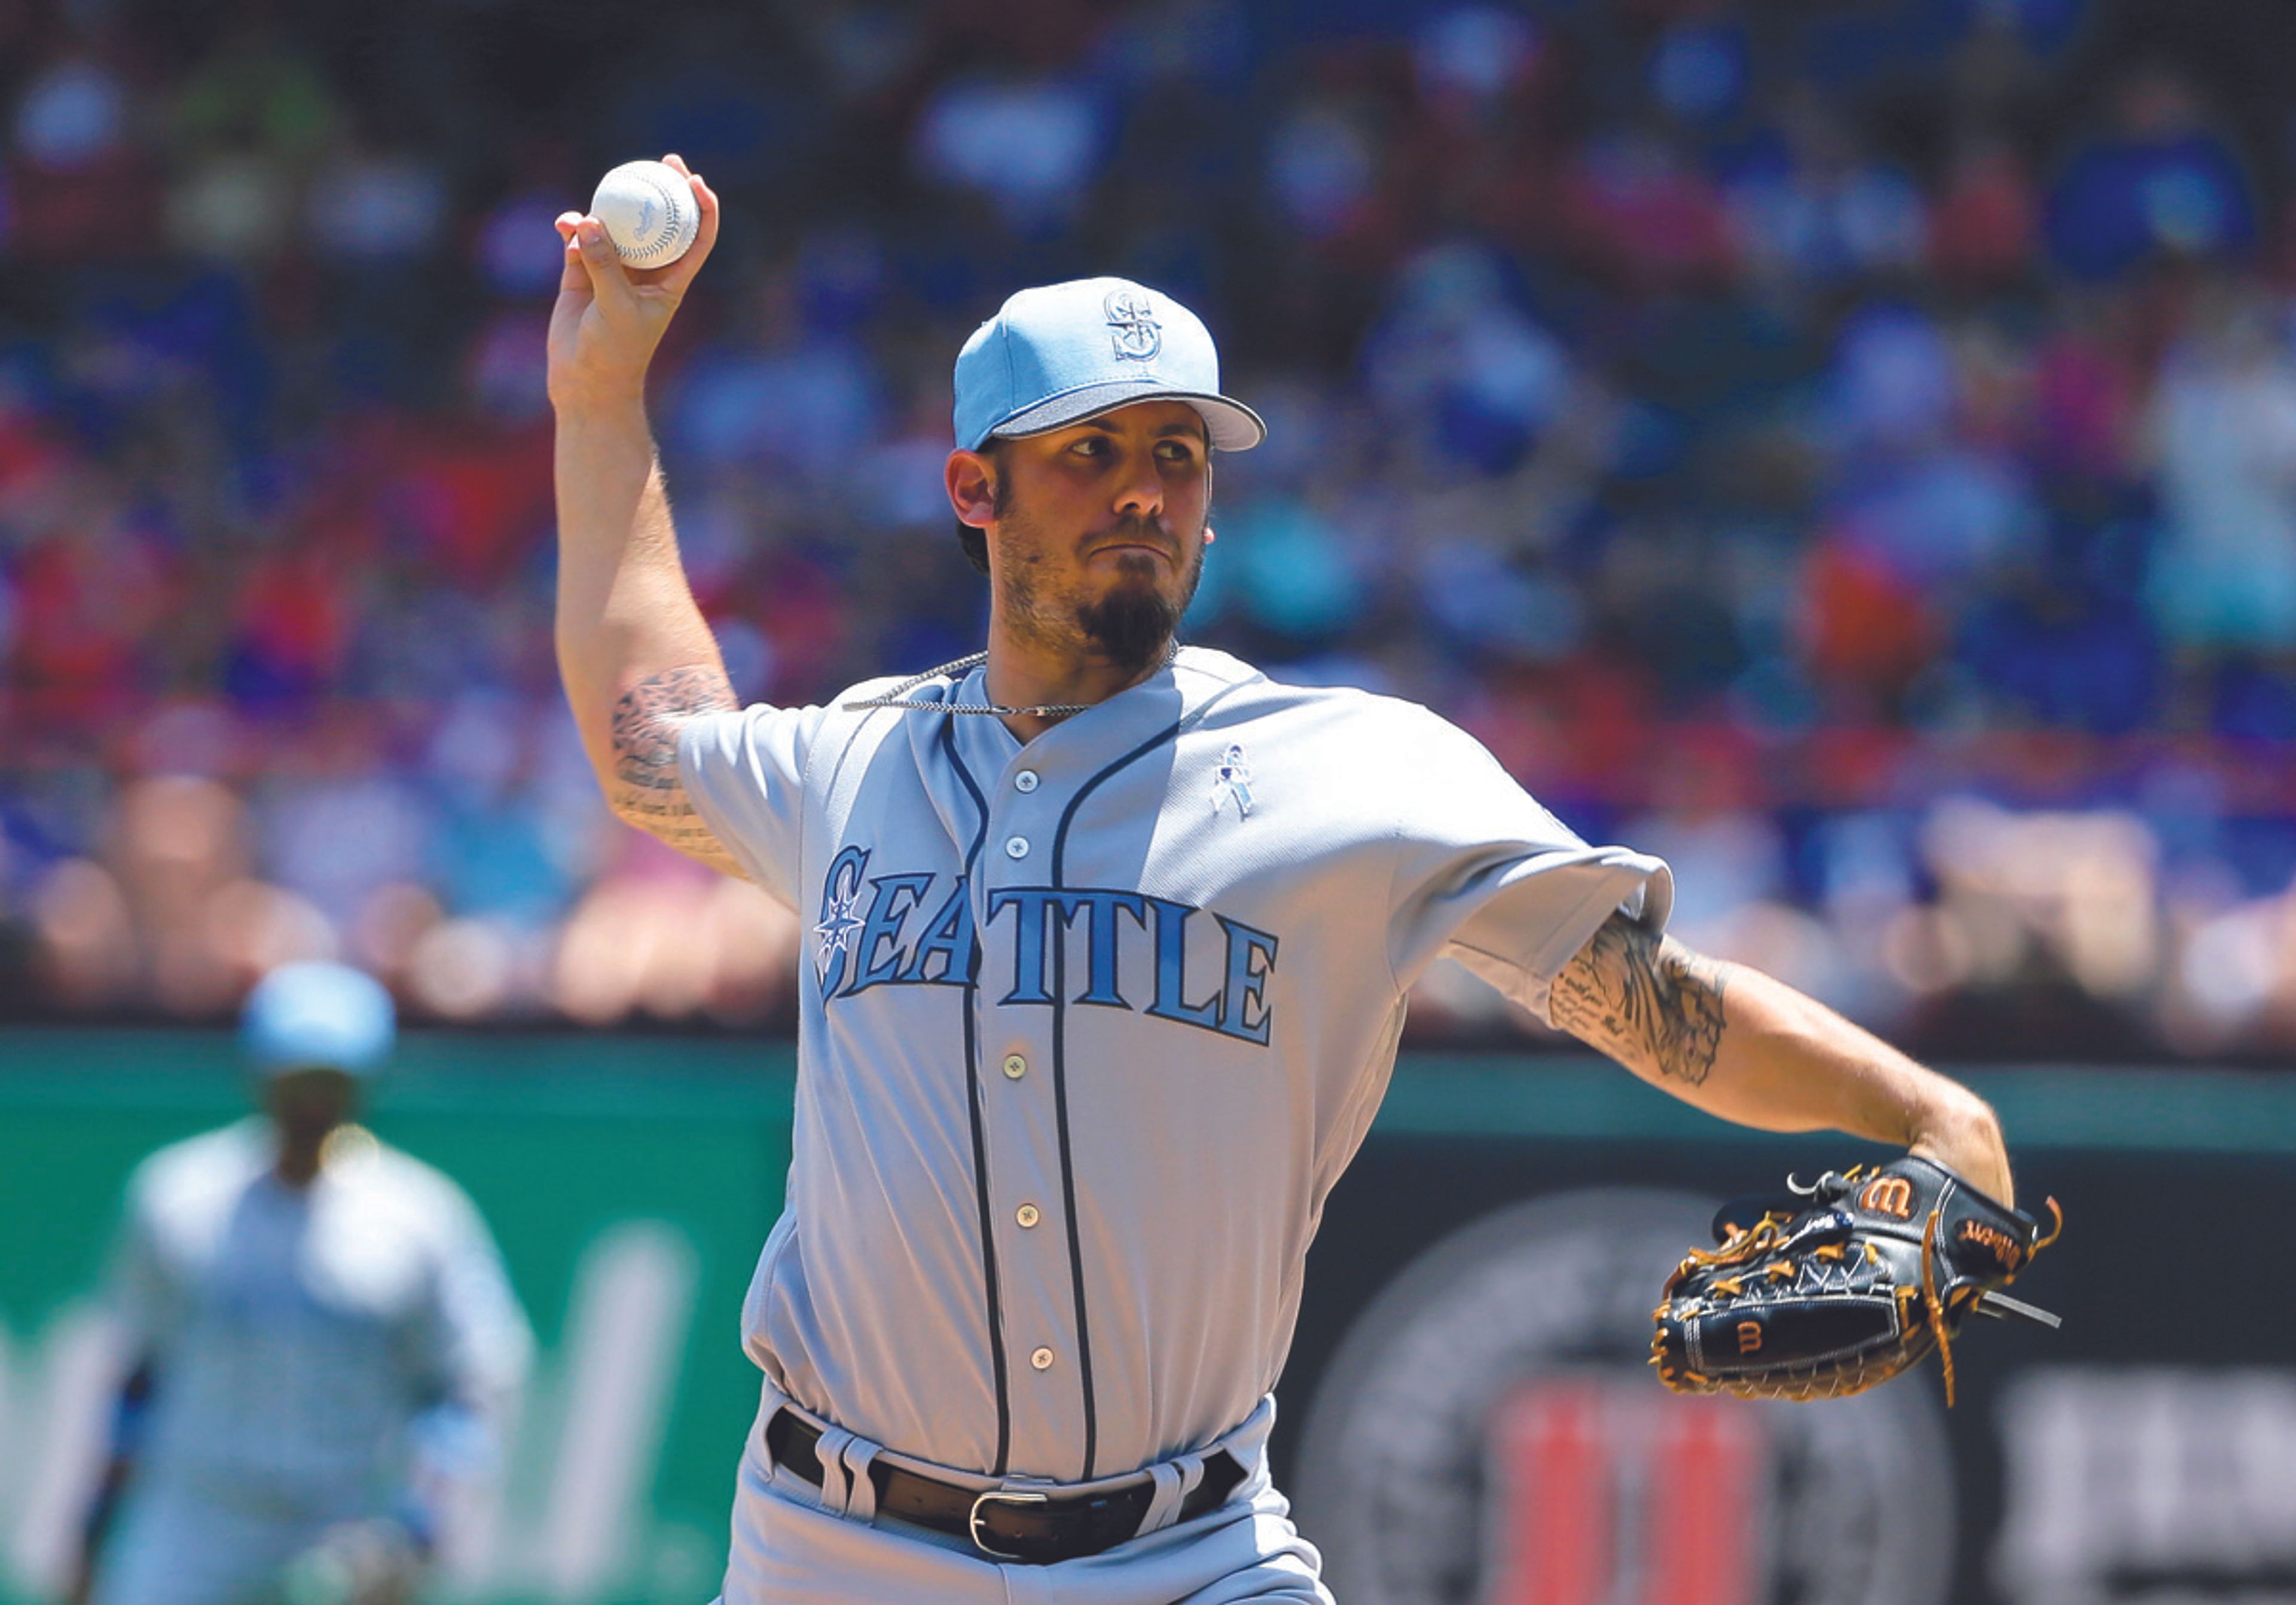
pixel 1026 1215
pixel 1016 847
pixel 1015 1066
pixel 1042 1359
pixel 1026 781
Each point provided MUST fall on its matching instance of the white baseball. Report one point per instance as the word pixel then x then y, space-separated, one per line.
pixel 648 211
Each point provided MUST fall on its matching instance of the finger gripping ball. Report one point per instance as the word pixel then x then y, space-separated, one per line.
pixel 648 211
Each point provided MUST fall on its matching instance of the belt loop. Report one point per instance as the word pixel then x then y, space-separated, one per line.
pixel 836 1485
pixel 1176 1480
pixel 857 1453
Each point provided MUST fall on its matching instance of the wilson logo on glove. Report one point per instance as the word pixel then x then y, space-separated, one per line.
pixel 1889 1195
pixel 2002 1245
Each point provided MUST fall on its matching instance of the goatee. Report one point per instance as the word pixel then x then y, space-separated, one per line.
pixel 1131 627
pixel 1132 624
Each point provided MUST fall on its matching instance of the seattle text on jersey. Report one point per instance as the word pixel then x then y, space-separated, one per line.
pixel 918 928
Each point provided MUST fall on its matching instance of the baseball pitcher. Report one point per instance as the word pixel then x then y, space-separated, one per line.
pixel 1108 940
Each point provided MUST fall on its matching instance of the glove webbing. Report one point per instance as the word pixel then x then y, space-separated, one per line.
pixel 1936 1305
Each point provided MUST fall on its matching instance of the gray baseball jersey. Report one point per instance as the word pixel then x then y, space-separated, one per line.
pixel 296 1334
pixel 1090 1027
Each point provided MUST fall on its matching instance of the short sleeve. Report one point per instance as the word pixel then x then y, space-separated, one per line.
pixel 1485 875
pixel 745 773
pixel 143 1297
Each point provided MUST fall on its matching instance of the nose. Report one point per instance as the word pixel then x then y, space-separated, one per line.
pixel 1140 492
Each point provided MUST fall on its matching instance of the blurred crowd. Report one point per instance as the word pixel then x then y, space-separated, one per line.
pixel 1845 447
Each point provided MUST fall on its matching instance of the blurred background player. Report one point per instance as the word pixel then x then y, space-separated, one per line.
pixel 318 1336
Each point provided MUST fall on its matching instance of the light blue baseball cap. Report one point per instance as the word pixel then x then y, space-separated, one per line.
pixel 1059 354
pixel 307 1015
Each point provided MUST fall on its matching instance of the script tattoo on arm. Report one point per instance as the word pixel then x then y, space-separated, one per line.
pixel 1648 1001
pixel 646 790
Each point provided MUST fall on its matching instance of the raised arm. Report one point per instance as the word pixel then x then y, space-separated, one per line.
pixel 636 655
pixel 1739 1044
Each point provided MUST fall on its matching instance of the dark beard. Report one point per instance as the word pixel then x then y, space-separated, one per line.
pixel 1131 627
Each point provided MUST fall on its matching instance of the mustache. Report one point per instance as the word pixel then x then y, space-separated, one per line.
pixel 1133 527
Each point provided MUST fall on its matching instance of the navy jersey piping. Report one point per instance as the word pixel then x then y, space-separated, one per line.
pixel 1061 1093
pixel 972 1101
pixel 1060 1057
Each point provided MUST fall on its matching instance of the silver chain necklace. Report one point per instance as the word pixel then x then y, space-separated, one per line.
pixel 898 697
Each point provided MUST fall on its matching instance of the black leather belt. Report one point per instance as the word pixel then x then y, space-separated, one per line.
pixel 1008 1524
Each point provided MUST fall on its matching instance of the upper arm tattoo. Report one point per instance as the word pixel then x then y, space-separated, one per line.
pixel 647 790
pixel 1646 1001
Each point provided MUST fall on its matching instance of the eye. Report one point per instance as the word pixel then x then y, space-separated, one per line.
pixel 1091 446
pixel 1175 451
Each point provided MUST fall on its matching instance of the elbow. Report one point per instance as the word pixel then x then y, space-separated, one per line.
pixel 628 803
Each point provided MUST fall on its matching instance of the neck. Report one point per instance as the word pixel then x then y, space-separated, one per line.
pixel 1024 672
pixel 298 1167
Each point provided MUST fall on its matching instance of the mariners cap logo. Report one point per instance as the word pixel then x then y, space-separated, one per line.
pixel 1132 318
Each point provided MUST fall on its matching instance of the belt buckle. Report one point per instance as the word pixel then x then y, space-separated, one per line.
pixel 1003 1496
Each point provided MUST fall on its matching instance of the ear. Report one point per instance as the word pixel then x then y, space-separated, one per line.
pixel 971 481
pixel 1211 535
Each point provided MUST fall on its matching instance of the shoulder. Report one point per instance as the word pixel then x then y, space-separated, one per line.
pixel 1376 727
pixel 1386 757
pixel 179 1198
pixel 413 1186
pixel 859 704
pixel 213 1164
pixel 397 1198
pixel 788 733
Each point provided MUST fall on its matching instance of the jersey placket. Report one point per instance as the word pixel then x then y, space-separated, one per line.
pixel 1030 799
pixel 1026 1188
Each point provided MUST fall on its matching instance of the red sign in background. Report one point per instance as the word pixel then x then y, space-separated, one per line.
pixel 1467 1420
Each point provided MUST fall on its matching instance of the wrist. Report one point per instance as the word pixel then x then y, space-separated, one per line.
pixel 1963 1134
pixel 601 404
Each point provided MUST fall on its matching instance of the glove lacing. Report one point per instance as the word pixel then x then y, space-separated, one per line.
pixel 1935 1306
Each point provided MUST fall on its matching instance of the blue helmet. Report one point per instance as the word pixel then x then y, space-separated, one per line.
pixel 302 1016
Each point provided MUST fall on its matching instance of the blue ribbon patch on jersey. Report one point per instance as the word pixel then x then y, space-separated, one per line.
pixel 918 928
pixel 1231 783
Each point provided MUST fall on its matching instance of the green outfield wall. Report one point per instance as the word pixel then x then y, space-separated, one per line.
pixel 631 1180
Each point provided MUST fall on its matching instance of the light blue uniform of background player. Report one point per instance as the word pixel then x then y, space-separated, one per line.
pixel 318 1331
pixel 1109 944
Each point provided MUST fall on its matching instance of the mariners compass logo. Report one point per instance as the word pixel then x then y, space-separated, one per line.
pixel 1132 315
pixel 840 924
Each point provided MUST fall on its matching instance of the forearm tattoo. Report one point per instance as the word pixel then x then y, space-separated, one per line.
pixel 647 792
pixel 1647 1001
